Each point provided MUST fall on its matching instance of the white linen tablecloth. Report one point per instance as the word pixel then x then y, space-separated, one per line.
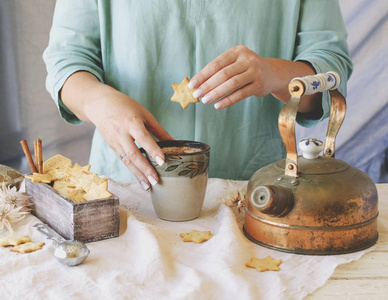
pixel 149 260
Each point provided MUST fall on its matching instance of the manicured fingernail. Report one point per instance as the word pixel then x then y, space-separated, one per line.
pixel 205 99
pixel 159 160
pixel 217 105
pixel 145 185
pixel 192 84
pixel 197 93
pixel 152 180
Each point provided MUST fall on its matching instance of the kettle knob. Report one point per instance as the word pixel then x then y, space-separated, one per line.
pixel 310 147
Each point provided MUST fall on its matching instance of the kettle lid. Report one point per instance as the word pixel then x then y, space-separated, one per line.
pixel 319 166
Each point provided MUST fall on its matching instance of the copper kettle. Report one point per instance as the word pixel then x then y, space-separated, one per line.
pixel 311 204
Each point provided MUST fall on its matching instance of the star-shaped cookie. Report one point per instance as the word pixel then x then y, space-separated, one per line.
pixel 196 236
pixel 264 264
pixel 183 94
pixel 38 177
pixel 14 240
pixel 27 247
pixel 98 191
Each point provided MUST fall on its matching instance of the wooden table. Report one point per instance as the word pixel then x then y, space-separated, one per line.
pixel 366 278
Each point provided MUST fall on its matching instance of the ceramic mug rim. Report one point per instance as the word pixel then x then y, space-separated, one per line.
pixel 184 143
pixel 181 143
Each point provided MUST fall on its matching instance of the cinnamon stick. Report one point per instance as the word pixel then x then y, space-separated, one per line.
pixel 40 156
pixel 36 154
pixel 27 153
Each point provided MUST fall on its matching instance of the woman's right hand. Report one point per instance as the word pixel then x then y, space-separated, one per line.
pixel 120 120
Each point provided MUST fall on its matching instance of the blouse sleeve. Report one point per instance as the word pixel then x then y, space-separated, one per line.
pixel 74 46
pixel 321 41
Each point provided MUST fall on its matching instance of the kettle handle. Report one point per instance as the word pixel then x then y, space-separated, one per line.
pixel 307 86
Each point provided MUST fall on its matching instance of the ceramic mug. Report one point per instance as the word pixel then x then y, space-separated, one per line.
pixel 181 189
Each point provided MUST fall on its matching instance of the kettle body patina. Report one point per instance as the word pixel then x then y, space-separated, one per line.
pixel 311 204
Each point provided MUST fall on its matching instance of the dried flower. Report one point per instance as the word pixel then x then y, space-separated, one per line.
pixel 14 198
pixel 10 215
pixel 234 196
pixel 13 206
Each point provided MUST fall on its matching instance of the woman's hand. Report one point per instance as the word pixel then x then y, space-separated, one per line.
pixel 239 73
pixel 121 121
pixel 233 76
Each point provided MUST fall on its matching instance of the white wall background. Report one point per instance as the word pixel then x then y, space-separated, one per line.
pixel 27 111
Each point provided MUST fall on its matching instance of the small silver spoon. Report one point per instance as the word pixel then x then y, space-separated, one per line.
pixel 68 252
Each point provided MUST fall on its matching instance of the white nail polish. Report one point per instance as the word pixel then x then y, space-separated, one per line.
pixel 197 93
pixel 152 180
pixel 191 84
pixel 217 105
pixel 159 160
pixel 205 99
pixel 145 185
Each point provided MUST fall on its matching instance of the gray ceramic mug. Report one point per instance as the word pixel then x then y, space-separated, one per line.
pixel 181 189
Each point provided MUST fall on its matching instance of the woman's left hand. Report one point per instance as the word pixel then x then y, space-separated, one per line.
pixel 233 76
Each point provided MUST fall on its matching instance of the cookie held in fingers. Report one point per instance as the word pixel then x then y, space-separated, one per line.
pixel 264 264
pixel 196 236
pixel 183 94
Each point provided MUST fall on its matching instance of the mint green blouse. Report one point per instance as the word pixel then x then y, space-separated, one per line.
pixel 141 47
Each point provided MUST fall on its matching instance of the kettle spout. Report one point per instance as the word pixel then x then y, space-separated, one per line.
pixel 272 200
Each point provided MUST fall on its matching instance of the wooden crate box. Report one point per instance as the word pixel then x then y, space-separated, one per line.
pixel 87 221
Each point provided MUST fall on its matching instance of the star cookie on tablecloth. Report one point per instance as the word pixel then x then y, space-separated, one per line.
pixel 27 247
pixel 264 264
pixel 14 240
pixel 196 236
pixel 183 94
